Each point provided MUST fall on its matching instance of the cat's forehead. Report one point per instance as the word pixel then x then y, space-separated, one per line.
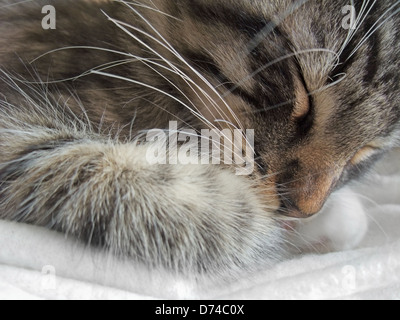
pixel 309 30
pixel 271 43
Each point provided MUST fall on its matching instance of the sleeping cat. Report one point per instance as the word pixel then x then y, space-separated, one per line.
pixel 77 99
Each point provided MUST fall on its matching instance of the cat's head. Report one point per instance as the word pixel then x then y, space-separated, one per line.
pixel 320 90
pixel 317 80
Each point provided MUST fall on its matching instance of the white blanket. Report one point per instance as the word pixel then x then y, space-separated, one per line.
pixel 39 264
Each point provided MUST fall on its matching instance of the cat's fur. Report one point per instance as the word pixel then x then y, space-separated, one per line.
pixel 70 158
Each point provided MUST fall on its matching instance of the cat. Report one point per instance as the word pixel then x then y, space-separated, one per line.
pixel 78 97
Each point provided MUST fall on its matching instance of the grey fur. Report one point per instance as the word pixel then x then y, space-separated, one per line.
pixel 72 156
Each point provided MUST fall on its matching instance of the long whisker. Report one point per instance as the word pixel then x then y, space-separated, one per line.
pixel 81 47
pixel 376 27
pixel 145 61
pixel 135 58
pixel 15 4
pixel 141 5
pixel 176 87
pixel 358 23
pixel 147 86
pixel 170 113
pixel 173 51
pixel 113 64
pixel 122 25
pixel 110 64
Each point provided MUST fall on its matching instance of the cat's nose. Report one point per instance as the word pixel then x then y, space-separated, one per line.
pixel 307 196
pixel 304 189
pixel 290 208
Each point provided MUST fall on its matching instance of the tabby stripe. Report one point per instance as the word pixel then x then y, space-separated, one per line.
pixel 15 168
pixel 212 13
pixel 275 86
pixel 268 93
pixel 262 166
pixel 207 64
pixel 374 46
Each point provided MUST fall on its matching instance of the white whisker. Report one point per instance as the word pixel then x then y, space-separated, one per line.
pixel 170 48
pixel 376 26
pixel 358 23
pixel 344 76
pixel 141 5
pixel 122 26
pixel 15 4
pixel 149 87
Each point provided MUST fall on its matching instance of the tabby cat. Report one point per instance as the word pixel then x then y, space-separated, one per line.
pixel 76 100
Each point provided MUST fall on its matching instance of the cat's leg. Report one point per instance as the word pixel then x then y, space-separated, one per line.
pixel 105 193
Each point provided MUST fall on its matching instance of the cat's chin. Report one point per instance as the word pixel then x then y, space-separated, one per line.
pixel 341 226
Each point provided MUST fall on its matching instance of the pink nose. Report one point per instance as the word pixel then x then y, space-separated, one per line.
pixel 291 208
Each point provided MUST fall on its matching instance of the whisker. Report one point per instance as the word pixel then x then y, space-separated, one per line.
pixel 109 64
pixel 266 66
pixel 80 47
pixel 146 86
pixel 15 4
pixel 371 31
pixel 179 90
pixel 344 76
pixel 359 22
pixel 141 5
pixel 170 113
pixel 173 51
pixel 270 175
pixel 121 25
